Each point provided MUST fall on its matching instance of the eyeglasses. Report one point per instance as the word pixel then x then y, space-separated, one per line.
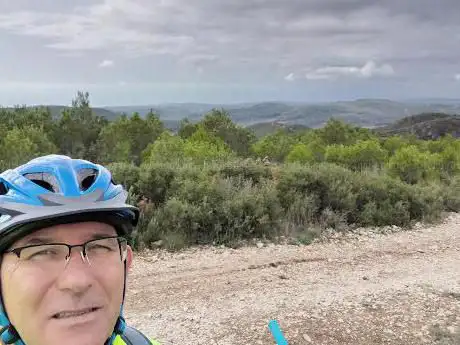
pixel 55 256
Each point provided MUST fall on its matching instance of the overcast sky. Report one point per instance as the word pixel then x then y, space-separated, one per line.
pixel 152 51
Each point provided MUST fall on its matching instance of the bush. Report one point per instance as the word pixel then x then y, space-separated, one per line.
pixel 126 174
pixel 448 162
pixel 167 148
pixel 224 203
pixel 330 185
pixel 217 212
pixel 275 146
pixel 204 147
pixel 301 214
pixel 410 164
pixel 301 153
pixel 246 169
pixel 394 143
pixel 394 202
pixel 362 199
pixel 451 195
pixel 174 217
pixel 359 156
pixel 155 180
pixel 19 145
pixel 250 211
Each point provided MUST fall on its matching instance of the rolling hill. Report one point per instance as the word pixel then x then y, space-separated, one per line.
pixel 266 117
pixel 263 128
pixel 56 110
pixel 425 126
pixel 363 112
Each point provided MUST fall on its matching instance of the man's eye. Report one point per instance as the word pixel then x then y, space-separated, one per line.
pixel 45 253
pixel 99 247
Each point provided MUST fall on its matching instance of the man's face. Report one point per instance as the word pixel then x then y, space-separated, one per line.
pixel 37 300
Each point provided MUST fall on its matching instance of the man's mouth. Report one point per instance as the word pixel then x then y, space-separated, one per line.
pixel 74 313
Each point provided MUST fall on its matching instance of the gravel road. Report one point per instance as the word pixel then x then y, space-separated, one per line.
pixel 371 288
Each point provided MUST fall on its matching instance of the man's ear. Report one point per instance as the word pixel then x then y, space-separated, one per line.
pixel 129 257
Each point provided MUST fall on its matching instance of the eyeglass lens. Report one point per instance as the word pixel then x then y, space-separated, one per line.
pixel 97 252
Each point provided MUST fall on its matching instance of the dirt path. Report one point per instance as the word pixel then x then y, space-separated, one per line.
pixel 402 288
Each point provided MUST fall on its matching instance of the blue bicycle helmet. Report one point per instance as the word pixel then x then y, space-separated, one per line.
pixel 56 189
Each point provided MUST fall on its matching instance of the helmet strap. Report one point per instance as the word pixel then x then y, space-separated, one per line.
pixel 120 325
pixel 9 334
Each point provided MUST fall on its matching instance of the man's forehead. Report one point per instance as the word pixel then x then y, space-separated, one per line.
pixel 75 232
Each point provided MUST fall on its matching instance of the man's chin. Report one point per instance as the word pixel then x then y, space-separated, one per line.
pixel 95 333
pixel 87 338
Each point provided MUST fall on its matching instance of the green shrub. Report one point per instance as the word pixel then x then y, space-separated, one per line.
pixel 167 148
pixel 451 195
pixel 394 202
pixel 333 219
pixel 199 189
pixel 246 169
pixel 217 212
pixel 331 185
pixel 359 156
pixel 203 147
pixel 448 162
pixel 231 213
pixel 252 211
pixel 410 164
pixel 238 200
pixel 394 143
pixel 301 153
pixel 155 180
pixel 363 199
pixel 301 214
pixel 275 146
pixel 126 174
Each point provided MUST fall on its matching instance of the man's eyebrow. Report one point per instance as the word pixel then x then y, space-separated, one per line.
pixel 36 240
pixel 99 235
pixel 46 240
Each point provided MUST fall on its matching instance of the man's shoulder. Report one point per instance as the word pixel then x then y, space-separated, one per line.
pixel 133 336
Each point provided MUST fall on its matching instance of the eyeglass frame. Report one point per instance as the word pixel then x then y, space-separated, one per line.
pixel 83 253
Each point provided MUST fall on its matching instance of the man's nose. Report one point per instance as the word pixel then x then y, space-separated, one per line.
pixel 76 277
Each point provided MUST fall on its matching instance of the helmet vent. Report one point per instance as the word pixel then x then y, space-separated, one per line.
pixel 44 180
pixel 86 178
pixel 3 188
pixel 44 184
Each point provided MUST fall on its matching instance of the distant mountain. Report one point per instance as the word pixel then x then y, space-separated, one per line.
pixel 425 126
pixel 56 110
pixel 363 112
pixel 172 112
pixel 265 117
pixel 432 101
pixel 263 128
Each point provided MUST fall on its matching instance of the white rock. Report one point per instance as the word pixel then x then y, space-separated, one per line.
pixel 306 337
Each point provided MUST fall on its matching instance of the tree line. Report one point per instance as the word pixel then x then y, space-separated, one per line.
pixel 214 181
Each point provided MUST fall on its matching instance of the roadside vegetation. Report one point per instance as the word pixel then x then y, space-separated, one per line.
pixel 215 182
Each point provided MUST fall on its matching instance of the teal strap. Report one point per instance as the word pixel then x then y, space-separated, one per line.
pixel 133 337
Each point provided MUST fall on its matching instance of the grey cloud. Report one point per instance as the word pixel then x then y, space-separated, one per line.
pixel 292 36
pixel 369 70
pixel 106 63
